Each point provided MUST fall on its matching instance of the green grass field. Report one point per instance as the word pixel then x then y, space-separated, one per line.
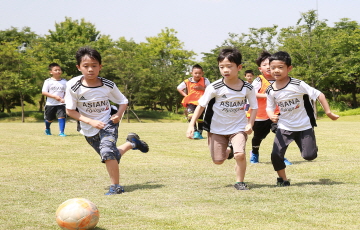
pixel 176 185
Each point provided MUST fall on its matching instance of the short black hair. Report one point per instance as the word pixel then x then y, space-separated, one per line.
pixel 87 51
pixel 196 66
pixel 249 71
pixel 232 54
pixel 281 56
pixel 52 65
pixel 262 57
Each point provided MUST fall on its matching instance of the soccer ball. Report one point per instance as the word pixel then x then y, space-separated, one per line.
pixel 77 214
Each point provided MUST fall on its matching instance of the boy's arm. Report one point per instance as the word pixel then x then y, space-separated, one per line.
pixel 47 94
pixel 251 120
pixel 117 116
pixel 326 107
pixel 77 116
pixel 182 92
pixel 190 131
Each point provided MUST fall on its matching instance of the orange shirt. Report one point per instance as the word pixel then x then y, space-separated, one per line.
pixel 193 94
pixel 261 113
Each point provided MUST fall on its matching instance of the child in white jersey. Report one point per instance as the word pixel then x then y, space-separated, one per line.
pixel 225 117
pixel 54 90
pixel 293 122
pixel 91 95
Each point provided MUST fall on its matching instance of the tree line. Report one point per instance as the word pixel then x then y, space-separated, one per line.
pixel 325 57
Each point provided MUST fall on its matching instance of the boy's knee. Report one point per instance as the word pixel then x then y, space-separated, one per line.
pixel 239 156
pixel 217 162
pixel 310 158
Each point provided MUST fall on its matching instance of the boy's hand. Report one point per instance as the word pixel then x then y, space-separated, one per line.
pixel 274 118
pixel 332 116
pixel 115 119
pixel 97 124
pixel 248 129
pixel 190 132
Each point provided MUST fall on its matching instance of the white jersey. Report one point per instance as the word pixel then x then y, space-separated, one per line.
pixel 92 102
pixel 225 113
pixel 54 87
pixel 290 99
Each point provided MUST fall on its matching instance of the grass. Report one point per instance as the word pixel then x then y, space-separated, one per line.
pixel 175 185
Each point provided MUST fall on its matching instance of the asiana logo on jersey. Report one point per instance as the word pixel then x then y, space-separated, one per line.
pixel 96 107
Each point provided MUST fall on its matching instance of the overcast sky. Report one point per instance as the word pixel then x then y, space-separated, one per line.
pixel 201 24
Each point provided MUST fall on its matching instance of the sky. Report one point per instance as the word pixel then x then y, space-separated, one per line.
pixel 200 24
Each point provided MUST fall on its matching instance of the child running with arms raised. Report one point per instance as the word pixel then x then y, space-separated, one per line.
pixel 293 122
pixel 91 95
pixel 225 118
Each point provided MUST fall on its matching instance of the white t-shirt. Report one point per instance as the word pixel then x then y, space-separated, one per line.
pixel 182 85
pixel 293 116
pixel 55 87
pixel 225 113
pixel 92 102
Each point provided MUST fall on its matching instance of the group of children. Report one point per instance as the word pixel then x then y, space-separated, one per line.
pixel 220 108
pixel 277 102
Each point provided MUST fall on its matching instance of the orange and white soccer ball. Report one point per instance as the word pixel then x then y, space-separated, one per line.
pixel 77 214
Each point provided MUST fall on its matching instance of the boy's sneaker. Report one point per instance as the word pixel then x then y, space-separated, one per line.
pixel 231 154
pixel 287 162
pixel 47 132
pixel 196 135
pixel 113 190
pixel 241 186
pixel 200 136
pixel 254 158
pixel 62 134
pixel 282 183
pixel 139 144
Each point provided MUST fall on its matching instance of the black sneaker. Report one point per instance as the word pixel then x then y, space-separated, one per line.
pixel 241 186
pixel 282 183
pixel 113 190
pixel 139 144
pixel 231 154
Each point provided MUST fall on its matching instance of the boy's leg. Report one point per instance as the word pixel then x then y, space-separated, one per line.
pixel 306 142
pixel 49 116
pixel 218 145
pixel 261 130
pixel 238 142
pixel 61 114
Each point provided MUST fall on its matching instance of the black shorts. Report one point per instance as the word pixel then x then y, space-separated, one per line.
pixel 191 109
pixel 53 111
pixel 262 129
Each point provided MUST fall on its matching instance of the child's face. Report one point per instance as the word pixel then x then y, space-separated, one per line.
pixel 279 70
pixel 197 74
pixel 264 68
pixel 249 77
pixel 56 72
pixel 89 67
pixel 229 70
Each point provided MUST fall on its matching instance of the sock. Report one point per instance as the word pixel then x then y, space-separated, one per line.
pixel 133 145
pixel 47 124
pixel 255 145
pixel 62 124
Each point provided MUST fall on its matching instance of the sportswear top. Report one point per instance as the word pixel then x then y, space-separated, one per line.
pixel 290 99
pixel 92 102
pixel 55 87
pixel 260 85
pixel 225 114
pixel 193 95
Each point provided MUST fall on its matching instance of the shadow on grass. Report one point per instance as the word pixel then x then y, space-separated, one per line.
pixel 147 185
pixel 320 182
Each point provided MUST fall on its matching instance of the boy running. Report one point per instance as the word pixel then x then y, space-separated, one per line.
pixel 225 117
pixel 192 89
pixel 54 90
pixel 91 95
pixel 293 122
